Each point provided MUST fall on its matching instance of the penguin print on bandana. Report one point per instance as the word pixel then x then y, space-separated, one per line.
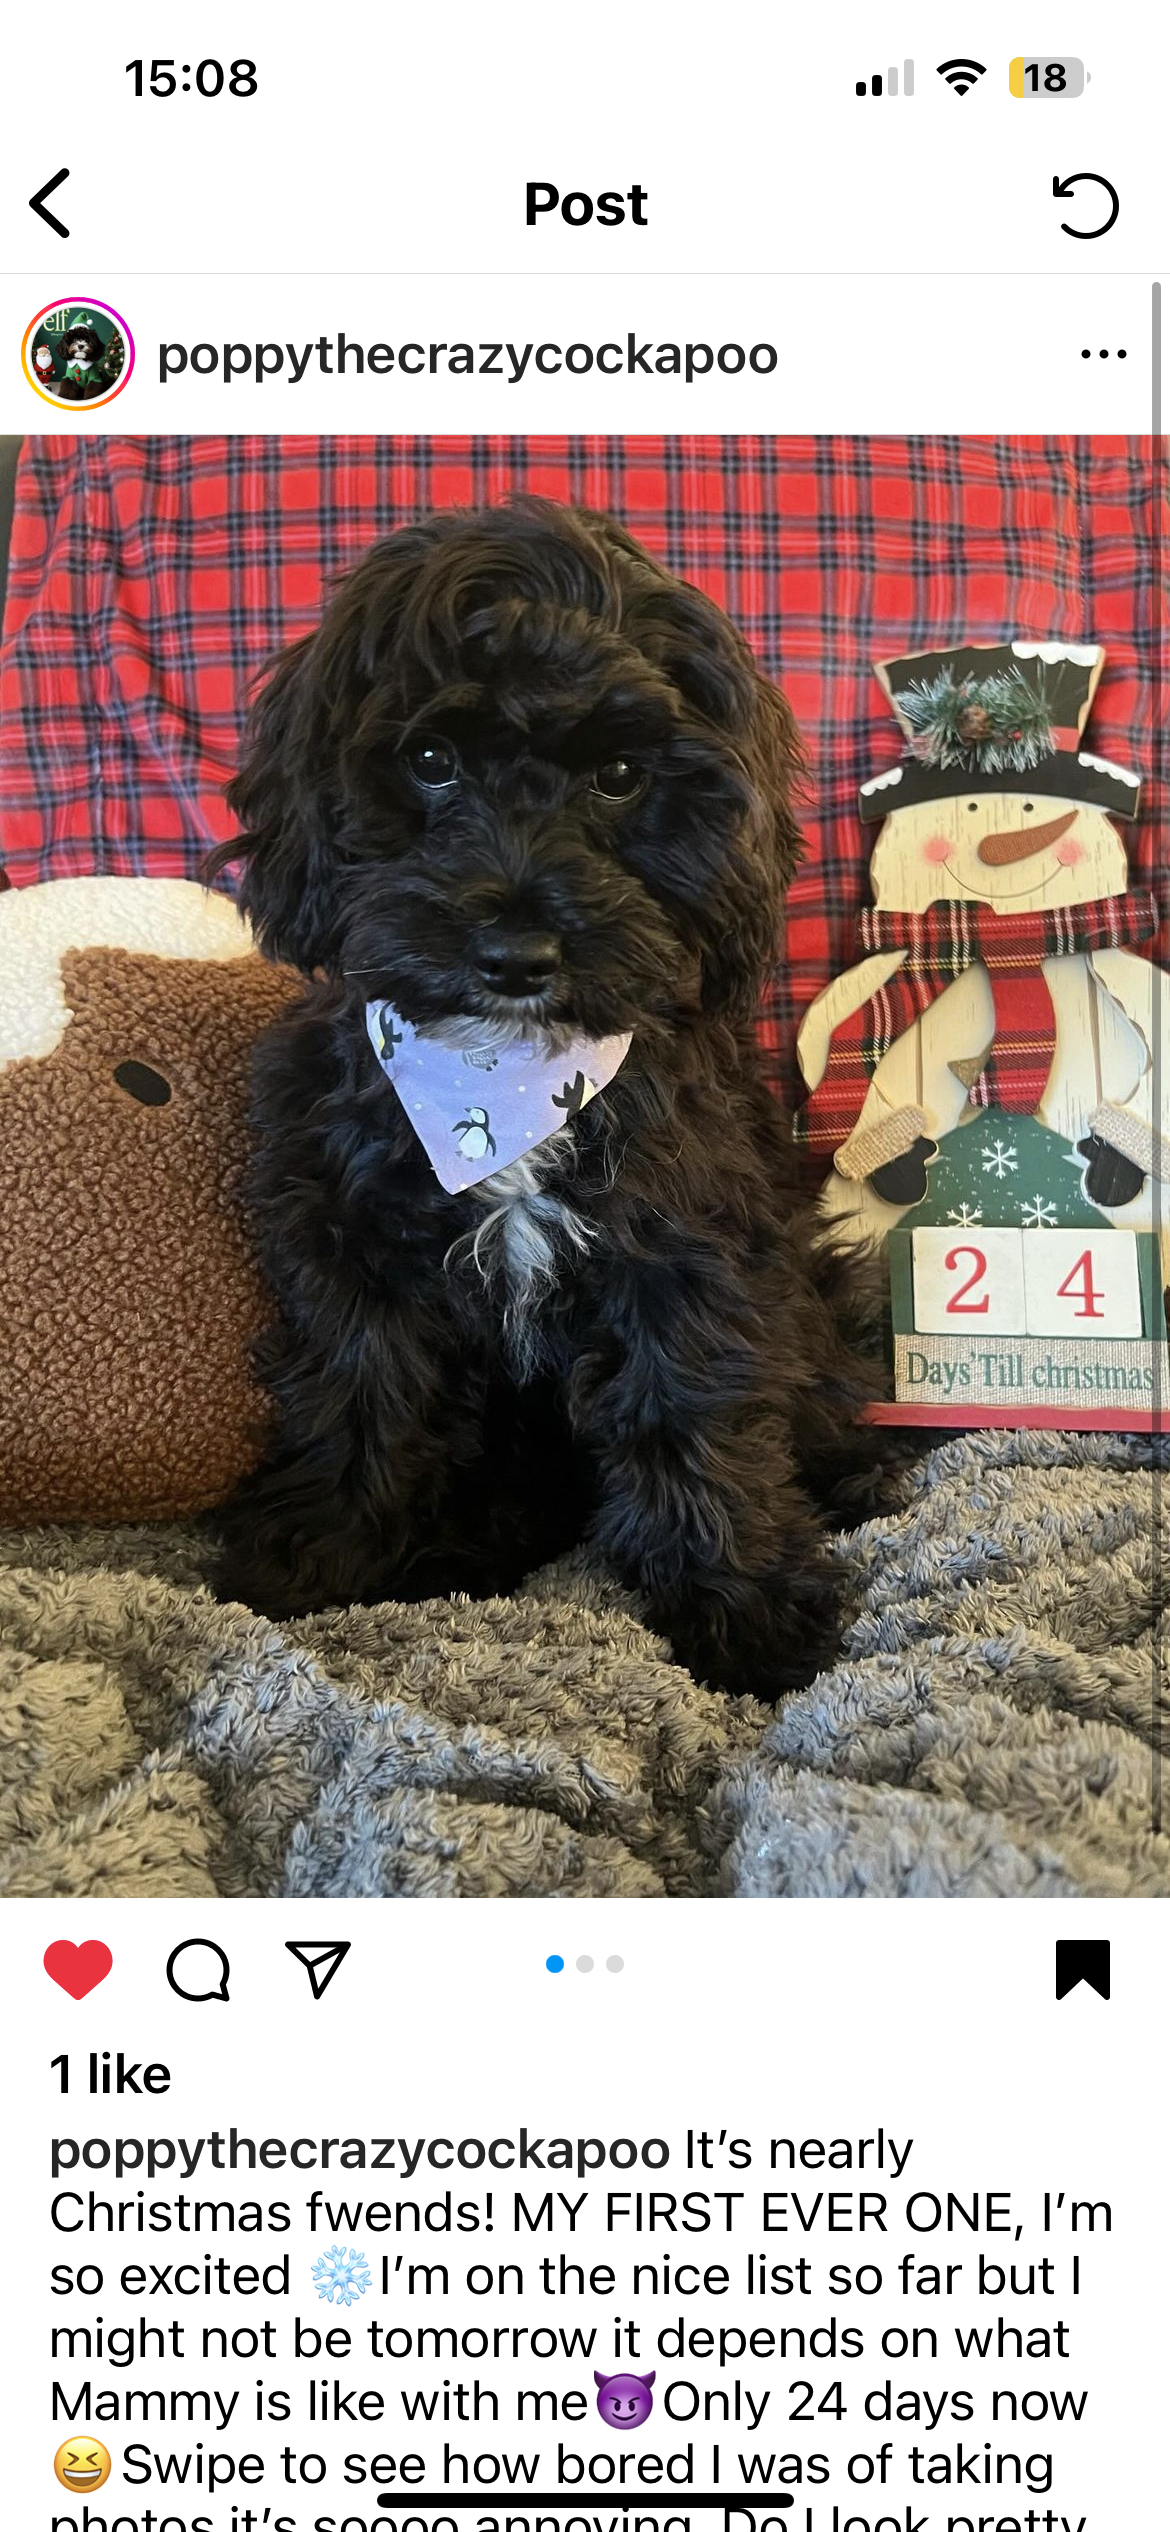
pixel 573 1094
pixel 441 1084
pixel 1005 966
pixel 476 1141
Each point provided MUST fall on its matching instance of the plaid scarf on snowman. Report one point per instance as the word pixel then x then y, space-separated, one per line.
pixel 940 944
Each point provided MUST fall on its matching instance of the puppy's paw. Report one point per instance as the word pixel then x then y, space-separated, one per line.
pixel 279 1569
pixel 291 1580
pixel 268 1586
pixel 759 1639
pixel 864 1482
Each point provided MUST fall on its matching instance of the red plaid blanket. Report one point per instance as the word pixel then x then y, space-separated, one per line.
pixel 151 577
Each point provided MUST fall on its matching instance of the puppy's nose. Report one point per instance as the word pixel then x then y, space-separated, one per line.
pixel 517 963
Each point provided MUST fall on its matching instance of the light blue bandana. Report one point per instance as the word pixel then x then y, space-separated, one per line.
pixel 475 1108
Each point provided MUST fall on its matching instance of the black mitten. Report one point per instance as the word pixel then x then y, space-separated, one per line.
pixel 1110 1178
pixel 903 1181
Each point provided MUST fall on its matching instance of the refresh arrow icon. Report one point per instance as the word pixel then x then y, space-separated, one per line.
pixel 1062 191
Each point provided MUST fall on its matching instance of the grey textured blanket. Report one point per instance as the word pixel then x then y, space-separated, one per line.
pixel 989 1728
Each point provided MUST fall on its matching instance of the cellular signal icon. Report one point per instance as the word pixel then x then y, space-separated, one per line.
pixel 877 86
pixel 961 75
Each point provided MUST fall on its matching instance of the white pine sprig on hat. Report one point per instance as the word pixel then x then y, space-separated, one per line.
pixel 995 724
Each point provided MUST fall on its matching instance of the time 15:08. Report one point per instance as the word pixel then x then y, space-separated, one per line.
pixel 211 78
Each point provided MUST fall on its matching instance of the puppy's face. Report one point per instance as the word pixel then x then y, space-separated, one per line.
pixel 520 775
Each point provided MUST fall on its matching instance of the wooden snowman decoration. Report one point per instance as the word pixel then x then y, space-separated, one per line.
pixel 1006 978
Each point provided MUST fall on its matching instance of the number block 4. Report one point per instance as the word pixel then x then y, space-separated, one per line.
pixel 1001 1282
pixel 1079 1287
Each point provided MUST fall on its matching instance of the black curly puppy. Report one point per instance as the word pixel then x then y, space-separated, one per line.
pixel 84 373
pixel 523 786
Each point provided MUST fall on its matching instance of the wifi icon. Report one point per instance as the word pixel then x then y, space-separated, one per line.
pixel 961 75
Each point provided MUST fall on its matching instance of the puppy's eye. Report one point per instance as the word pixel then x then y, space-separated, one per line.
pixel 432 762
pixel 619 780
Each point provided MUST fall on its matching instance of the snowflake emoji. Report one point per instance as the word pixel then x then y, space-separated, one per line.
pixel 341 2276
pixel 998 1158
pixel 1039 1214
pixel 966 1215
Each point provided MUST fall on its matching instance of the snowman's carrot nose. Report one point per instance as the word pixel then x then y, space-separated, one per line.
pixel 1021 841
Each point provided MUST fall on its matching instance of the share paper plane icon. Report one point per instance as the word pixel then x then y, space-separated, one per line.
pixel 322 1960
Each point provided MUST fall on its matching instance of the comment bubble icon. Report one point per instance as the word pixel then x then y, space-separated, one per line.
pixel 199 1971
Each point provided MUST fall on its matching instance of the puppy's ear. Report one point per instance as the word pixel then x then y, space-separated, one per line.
pixel 776 762
pixel 288 809
pixel 715 672
pixel 742 949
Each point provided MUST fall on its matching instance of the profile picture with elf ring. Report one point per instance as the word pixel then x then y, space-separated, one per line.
pixel 78 351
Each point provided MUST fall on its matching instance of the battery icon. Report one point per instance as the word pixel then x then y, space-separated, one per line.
pixel 1035 75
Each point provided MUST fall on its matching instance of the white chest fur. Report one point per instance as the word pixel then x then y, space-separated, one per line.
pixel 526 1239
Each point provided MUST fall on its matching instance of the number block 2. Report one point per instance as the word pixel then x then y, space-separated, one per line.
pixel 1000 1282
pixel 968 1283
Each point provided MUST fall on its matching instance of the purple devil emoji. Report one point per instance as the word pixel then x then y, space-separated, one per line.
pixel 624 2400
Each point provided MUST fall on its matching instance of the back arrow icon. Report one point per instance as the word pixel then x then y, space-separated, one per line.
pixel 1063 193
pixel 36 202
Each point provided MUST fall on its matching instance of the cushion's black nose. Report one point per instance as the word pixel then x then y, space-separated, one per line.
pixel 517 963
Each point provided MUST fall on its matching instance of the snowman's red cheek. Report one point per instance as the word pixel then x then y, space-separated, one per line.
pixel 937 850
pixel 1069 853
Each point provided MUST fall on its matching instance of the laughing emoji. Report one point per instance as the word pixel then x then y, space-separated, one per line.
pixel 82 2463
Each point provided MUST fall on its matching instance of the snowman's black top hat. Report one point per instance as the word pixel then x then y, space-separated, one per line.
pixel 1002 716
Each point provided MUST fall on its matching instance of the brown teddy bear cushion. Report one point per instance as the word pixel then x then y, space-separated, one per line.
pixel 128 1290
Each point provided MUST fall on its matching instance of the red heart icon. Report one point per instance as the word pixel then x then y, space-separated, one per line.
pixel 79 1966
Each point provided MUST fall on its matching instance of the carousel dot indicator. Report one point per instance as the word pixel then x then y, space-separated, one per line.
pixel 615 1961
pixel 585 1961
pixel 554 1962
